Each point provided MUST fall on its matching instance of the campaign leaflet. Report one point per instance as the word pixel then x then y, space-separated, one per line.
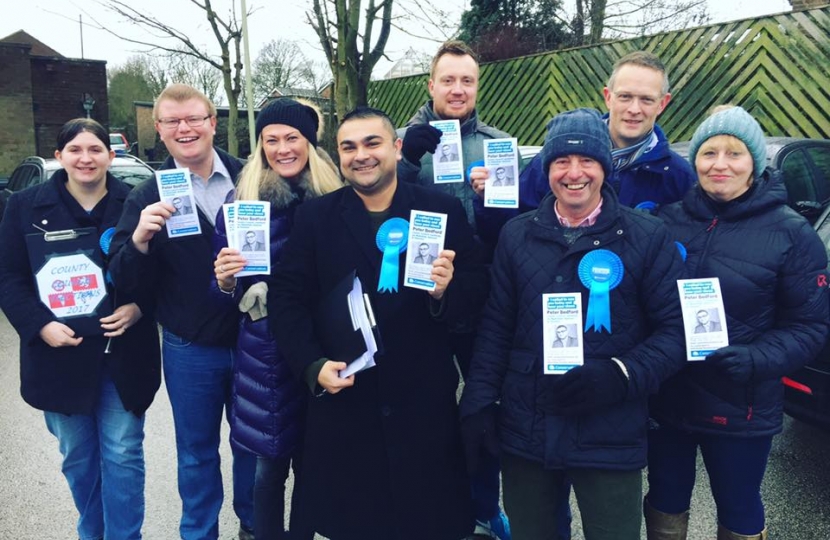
pixel 248 227
pixel 448 162
pixel 561 332
pixel 176 188
pixel 704 318
pixel 426 241
pixel 501 190
pixel 363 318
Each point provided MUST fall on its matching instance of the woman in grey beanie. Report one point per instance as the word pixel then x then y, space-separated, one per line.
pixel 771 265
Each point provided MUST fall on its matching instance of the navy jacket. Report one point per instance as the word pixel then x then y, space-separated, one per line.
pixel 177 273
pixel 68 379
pixel 771 266
pixel 534 257
pixel 384 453
pixel 268 410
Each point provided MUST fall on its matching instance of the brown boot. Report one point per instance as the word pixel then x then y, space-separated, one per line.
pixel 662 526
pixel 726 534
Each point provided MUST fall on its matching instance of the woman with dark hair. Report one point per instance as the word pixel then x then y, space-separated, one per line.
pixel 268 408
pixel 735 226
pixel 95 388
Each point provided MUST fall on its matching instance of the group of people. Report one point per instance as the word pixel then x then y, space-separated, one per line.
pixel 389 453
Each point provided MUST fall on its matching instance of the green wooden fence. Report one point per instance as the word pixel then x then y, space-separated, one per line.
pixel 776 67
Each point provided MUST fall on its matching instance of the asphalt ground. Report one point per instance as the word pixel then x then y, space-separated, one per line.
pixel 35 502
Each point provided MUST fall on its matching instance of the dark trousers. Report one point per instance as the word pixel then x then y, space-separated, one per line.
pixel 609 501
pixel 735 466
pixel 269 500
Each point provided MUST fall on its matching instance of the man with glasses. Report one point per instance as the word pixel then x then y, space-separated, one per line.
pixel 199 334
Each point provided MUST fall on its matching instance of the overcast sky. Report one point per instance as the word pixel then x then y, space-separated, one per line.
pixel 55 23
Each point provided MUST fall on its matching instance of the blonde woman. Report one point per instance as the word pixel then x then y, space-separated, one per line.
pixel 268 410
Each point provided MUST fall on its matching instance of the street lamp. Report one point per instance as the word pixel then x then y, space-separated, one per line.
pixel 88 104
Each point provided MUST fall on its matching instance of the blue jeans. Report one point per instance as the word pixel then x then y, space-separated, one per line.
pixel 198 380
pixel 103 462
pixel 735 465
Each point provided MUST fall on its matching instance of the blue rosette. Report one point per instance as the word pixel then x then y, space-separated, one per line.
pixel 105 241
pixel 649 207
pixel 600 271
pixel 682 249
pixel 391 241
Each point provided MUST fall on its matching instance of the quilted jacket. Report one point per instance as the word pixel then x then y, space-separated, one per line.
pixel 772 271
pixel 535 257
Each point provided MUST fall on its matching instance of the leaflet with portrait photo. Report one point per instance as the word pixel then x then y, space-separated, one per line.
pixel 427 231
pixel 230 224
pixel 704 319
pixel 251 235
pixel 562 332
pixel 501 157
pixel 176 187
pixel 448 162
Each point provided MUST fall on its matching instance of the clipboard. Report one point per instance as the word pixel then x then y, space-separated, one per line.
pixel 337 326
pixel 68 269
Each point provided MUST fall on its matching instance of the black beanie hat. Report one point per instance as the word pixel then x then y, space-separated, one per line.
pixel 290 113
pixel 582 132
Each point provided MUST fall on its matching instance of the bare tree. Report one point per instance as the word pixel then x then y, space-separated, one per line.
pixel 281 63
pixel 353 41
pixel 227 32
pixel 187 69
pixel 595 20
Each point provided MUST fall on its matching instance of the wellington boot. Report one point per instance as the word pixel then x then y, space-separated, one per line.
pixel 726 534
pixel 662 526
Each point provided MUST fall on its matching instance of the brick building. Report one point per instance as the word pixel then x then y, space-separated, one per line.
pixel 40 90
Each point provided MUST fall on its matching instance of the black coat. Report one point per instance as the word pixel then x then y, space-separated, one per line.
pixel 382 459
pixel 771 266
pixel 176 273
pixel 534 257
pixel 67 379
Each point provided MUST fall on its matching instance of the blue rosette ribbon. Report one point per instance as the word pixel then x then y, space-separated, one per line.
pixel 391 241
pixel 682 249
pixel 105 241
pixel 600 271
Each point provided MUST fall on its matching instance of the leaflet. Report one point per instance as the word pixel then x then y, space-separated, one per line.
pixel 448 163
pixel 562 332
pixel 176 187
pixel 248 228
pixel 501 157
pixel 426 241
pixel 704 318
pixel 363 319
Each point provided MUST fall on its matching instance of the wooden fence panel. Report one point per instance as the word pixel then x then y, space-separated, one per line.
pixel 776 67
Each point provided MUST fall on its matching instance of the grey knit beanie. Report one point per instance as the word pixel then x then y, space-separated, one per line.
pixel 740 124
pixel 290 113
pixel 581 132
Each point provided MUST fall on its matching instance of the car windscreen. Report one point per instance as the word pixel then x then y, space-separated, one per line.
pixel 131 174
pixel 116 139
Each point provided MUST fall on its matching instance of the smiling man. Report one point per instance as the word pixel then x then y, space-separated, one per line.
pixel 646 173
pixel 587 425
pixel 198 333
pixel 382 454
pixel 453 87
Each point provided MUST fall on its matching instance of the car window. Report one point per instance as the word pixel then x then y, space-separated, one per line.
pixel 820 156
pixel 116 139
pixel 132 174
pixel 23 177
pixel 797 177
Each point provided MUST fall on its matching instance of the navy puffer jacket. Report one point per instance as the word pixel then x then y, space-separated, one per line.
pixel 268 407
pixel 771 266
pixel 534 257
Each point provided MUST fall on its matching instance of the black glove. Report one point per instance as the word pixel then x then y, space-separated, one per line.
pixel 420 139
pixel 587 388
pixel 480 436
pixel 735 362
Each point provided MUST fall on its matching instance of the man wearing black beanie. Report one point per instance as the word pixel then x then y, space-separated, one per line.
pixel 588 424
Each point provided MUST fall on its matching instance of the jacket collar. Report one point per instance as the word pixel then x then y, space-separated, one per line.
pixel 768 192
pixel 48 197
pixel 545 224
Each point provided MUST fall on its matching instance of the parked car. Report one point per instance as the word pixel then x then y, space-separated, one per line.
pixel 118 142
pixel 805 167
pixel 34 170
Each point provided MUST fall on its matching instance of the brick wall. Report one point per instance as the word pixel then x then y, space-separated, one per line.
pixel 17 138
pixel 58 89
